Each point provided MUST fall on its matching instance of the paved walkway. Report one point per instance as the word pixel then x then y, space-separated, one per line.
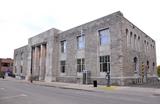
pixel 100 88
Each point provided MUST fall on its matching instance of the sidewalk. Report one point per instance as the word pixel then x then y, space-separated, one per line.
pixel 100 88
pixel 66 85
pixel 56 84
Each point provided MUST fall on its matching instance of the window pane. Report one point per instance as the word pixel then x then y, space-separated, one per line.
pixel 78 68
pixel 65 43
pixel 62 62
pixel 62 49
pixel 63 46
pixel 81 42
pixel 104 67
pixel 108 58
pixel 62 66
pixel 63 69
pixel 83 61
pixel 83 67
pixel 100 58
pixel 105 59
pixel 104 36
pixel 78 61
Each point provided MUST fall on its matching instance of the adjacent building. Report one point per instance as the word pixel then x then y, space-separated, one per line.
pixel 111 44
pixel 6 65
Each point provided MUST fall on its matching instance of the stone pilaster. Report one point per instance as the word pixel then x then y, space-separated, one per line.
pixel 36 63
pixel 42 62
pixel 48 74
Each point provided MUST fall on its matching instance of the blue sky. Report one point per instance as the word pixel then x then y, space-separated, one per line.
pixel 21 19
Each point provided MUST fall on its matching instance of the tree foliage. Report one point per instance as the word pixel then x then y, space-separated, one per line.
pixel 158 71
pixel 1 74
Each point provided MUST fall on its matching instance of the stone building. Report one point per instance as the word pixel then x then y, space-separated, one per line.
pixel 110 44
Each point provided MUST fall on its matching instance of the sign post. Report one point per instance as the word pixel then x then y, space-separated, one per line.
pixel 108 78
pixel 142 71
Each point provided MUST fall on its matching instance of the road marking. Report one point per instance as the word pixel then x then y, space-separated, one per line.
pixel 23 95
pixel 2 88
pixel 10 97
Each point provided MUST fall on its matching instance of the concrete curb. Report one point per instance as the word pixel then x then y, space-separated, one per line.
pixel 67 86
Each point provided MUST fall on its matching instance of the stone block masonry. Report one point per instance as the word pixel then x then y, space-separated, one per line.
pixel 109 44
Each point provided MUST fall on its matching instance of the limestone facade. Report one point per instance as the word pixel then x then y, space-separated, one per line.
pixel 109 44
pixel 20 62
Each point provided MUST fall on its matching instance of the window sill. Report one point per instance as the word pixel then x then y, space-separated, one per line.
pixel 79 74
pixel 135 72
pixel 103 74
pixel 62 74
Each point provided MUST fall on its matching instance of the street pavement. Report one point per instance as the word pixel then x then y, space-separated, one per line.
pixel 22 92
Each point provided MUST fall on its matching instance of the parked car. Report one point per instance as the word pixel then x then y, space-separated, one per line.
pixel 10 74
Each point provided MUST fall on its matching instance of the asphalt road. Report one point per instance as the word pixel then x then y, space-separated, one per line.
pixel 12 92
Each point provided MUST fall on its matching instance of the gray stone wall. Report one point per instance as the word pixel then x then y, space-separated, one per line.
pixel 20 61
pixel 93 49
pixel 49 39
pixel 140 46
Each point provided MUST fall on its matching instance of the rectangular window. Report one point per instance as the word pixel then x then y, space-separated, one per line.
pixel 104 63
pixel 80 65
pixel 81 42
pixel 5 64
pixel 63 66
pixel 104 37
pixel 21 55
pixel 63 46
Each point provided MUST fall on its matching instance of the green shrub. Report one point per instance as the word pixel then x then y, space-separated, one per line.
pixel 158 71
pixel 1 74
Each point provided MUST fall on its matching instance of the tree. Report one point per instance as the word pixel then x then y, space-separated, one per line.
pixel 1 74
pixel 158 71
